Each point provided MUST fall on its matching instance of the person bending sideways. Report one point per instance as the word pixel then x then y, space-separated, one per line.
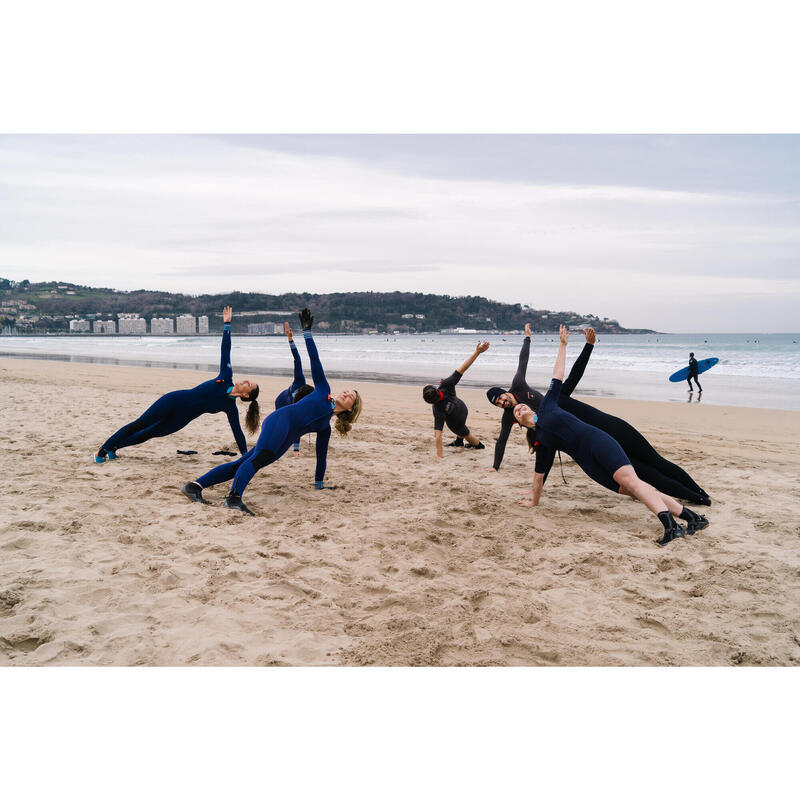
pixel 649 464
pixel 176 410
pixel 312 414
pixel 597 454
pixel 299 388
pixel 451 410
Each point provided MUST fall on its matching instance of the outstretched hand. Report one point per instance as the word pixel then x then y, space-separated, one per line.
pixel 306 319
pixel 287 329
pixel 563 334
pixel 589 333
pixel 527 329
pixel 482 347
pixel 227 314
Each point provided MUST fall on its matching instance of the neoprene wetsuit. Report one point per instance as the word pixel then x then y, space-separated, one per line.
pixel 176 410
pixel 312 414
pixel 285 397
pixel 450 409
pixel 650 466
pixel 594 451
pixel 693 373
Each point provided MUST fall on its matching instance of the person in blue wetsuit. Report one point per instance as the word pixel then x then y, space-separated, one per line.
pixel 299 388
pixel 596 453
pixel 649 464
pixel 176 410
pixel 312 414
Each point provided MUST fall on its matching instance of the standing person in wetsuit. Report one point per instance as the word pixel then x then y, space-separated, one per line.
pixel 299 388
pixel 693 373
pixel 649 464
pixel 312 414
pixel 447 408
pixel 596 453
pixel 176 410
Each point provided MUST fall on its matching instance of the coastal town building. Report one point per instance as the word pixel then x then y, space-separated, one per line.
pixel 262 328
pixel 132 325
pixel 161 326
pixel 105 326
pixel 79 326
pixel 202 324
pixel 186 324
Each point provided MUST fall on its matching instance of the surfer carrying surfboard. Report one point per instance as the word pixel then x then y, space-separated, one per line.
pixel 693 373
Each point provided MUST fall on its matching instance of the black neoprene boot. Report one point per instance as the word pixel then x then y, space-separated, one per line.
pixel 694 522
pixel 233 500
pixel 194 493
pixel 479 446
pixel 457 442
pixel 672 530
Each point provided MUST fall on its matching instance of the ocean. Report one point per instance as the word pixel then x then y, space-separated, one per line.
pixel 754 370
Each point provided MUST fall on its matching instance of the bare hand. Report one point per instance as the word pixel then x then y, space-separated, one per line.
pixel 590 335
pixel 563 334
pixel 287 329
pixel 482 347
pixel 438 456
pixel 227 314
pixel 526 503
pixel 527 329
pixel 491 469
pixel 296 452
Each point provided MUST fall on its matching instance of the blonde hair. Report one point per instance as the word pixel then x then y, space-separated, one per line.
pixel 346 419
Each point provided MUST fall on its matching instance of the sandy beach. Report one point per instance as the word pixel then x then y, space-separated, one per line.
pixel 408 562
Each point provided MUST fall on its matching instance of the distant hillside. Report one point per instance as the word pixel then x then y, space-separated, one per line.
pixel 49 306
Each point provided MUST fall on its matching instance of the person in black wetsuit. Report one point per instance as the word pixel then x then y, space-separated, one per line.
pixel 299 388
pixel 176 410
pixel 693 373
pixel 312 414
pixel 596 453
pixel 649 464
pixel 449 409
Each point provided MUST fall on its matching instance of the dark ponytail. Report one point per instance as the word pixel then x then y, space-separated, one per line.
pixel 530 435
pixel 253 413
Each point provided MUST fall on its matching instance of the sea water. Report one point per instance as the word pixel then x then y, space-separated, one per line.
pixel 756 370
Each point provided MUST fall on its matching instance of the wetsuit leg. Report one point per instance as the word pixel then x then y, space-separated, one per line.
pixel 689 381
pixel 600 457
pixel 224 472
pixel 161 419
pixel 272 444
pixel 665 484
pixel 456 420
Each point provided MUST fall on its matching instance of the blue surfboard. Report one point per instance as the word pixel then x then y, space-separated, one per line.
pixel 702 366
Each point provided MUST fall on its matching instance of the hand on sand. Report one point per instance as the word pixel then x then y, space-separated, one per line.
pixel 527 503
pixel 491 469
pixel 296 452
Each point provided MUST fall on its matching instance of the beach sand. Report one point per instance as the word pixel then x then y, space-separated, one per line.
pixel 409 562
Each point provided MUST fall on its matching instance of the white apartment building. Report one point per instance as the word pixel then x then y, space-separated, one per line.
pixel 79 326
pixel 202 324
pixel 131 324
pixel 105 326
pixel 186 324
pixel 161 326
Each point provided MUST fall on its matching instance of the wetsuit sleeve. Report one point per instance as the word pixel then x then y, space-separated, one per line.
pixel 576 373
pixel 323 437
pixel 524 354
pixel 500 444
pixel 451 381
pixel 554 392
pixel 225 369
pixel 233 420
pixel 299 378
pixel 544 461
pixel 317 373
pixel 438 417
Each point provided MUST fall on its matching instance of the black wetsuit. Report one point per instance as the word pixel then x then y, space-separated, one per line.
pixel 176 410
pixel 450 409
pixel 594 451
pixel 651 467
pixel 693 373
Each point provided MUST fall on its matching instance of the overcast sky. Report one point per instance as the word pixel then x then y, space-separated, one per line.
pixel 677 233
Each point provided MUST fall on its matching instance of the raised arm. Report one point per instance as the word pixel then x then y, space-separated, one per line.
pixel 524 354
pixel 576 373
pixel 225 369
pixel 317 373
pixel 299 378
pixel 561 358
pixel 236 428
pixel 481 347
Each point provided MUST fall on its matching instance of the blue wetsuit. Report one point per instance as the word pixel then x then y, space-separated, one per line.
pixel 176 410
pixel 312 414
pixel 596 453
pixel 285 397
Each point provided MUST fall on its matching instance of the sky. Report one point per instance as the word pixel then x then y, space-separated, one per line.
pixel 675 233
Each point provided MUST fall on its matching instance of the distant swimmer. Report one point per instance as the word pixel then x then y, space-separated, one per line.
pixel 451 410
pixel 176 410
pixel 299 388
pixel 284 426
pixel 649 464
pixel 596 453
pixel 694 373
